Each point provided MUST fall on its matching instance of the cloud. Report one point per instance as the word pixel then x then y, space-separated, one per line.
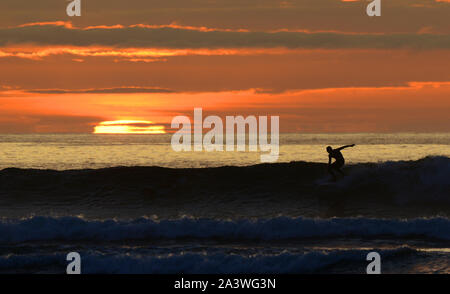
pixel 120 90
pixel 139 36
pixel 418 106
pixel 11 122
pixel 398 15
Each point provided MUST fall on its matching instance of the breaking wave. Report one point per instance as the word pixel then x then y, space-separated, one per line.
pixel 201 263
pixel 401 182
pixel 281 228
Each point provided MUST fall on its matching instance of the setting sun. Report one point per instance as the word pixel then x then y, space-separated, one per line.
pixel 128 127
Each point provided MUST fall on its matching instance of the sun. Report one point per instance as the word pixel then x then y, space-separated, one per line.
pixel 128 127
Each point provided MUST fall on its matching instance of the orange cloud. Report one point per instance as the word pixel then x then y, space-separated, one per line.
pixel 419 106
pixel 134 54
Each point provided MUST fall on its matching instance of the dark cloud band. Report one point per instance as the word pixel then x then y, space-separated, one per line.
pixel 133 90
pixel 179 38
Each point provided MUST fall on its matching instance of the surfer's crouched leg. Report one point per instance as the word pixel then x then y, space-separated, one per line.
pixel 330 170
pixel 337 165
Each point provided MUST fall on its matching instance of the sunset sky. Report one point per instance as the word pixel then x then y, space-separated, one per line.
pixel 321 65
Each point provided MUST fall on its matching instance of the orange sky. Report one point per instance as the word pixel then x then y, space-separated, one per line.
pixel 322 67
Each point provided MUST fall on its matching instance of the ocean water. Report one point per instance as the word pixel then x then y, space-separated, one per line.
pixel 81 151
pixel 129 204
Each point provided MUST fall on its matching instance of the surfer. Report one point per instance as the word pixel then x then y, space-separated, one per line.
pixel 339 160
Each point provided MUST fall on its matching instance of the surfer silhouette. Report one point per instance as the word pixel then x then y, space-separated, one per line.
pixel 339 160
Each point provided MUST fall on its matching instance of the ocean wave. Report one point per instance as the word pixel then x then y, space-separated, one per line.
pixel 281 228
pixel 424 181
pixel 203 263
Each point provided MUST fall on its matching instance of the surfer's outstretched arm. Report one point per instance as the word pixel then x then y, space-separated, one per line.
pixel 346 146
